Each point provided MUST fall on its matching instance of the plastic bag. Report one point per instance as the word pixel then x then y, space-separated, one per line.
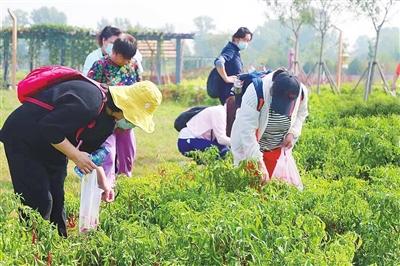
pixel 286 169
pixel 90 202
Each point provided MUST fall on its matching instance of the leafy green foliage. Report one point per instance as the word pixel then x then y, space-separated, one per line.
pixel 182 213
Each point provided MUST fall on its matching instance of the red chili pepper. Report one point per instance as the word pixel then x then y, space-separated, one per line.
pixel 34 237
pixel 71 221
pixel 49 259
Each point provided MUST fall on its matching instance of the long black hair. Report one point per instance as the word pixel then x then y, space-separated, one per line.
pixel 106 33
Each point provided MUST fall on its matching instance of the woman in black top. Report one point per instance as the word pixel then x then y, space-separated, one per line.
pixel 38 142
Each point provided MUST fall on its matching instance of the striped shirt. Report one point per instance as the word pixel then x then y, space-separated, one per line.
pixel 277 127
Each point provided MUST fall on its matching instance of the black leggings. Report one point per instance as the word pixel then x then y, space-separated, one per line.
pixel 40 182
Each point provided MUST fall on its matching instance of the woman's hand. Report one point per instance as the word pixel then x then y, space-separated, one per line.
pixel 231 79
pixel 288 141
pixel 264 172
pixel 83 161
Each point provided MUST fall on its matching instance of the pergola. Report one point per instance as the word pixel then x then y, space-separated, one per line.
pixel 161 45
pixel 69 45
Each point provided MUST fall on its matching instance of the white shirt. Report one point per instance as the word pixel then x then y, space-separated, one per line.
pixel 250 124
pixel 208 124
pixel 90 59
pixel 185 134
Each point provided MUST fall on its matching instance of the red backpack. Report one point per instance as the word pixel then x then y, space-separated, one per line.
pixel 43 77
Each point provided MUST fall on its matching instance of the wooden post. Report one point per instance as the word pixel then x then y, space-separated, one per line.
pixel 158 60
pixel 339 65
pixel 367 83
pixel 340 62
pixel 6 53
pixel 179 61
pixel 14 50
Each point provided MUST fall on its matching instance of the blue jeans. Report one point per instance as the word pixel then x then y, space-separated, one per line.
pixel 195 144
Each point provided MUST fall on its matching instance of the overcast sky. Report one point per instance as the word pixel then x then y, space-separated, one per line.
pixel 228 15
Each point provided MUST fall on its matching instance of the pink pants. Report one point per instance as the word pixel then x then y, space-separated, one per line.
pixel 120 160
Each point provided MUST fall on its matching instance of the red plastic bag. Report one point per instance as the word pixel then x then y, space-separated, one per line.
pixel 286 169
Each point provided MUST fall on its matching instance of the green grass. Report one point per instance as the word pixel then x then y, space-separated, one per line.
pixel 158 147
pixel 8 102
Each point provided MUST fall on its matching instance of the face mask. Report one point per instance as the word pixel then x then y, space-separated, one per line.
pixel 124 124
pixel 109 48
pixel 242 45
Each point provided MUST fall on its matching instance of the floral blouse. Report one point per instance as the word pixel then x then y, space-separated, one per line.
pixel 106 71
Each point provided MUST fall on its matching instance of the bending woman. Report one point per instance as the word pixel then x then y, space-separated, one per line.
pixel 39 142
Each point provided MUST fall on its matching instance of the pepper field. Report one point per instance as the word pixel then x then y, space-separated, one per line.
pixel 174 212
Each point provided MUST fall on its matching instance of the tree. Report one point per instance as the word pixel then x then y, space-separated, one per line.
pixel 22 18
pixel 361 47
pixel 103 23
pixel 168 27
pixel 48 15
pixel 324 11
pixel 355 67
pixel 207 44
pixel 293 14
pixel 378 12
pixel 122 23
pixel 204 24
pixel 389 43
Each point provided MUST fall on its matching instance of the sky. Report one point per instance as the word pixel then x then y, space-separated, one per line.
pixel 228 15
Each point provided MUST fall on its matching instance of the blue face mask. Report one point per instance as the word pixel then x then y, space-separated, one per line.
pixel 124 124
pixel 242 45
pixel 109 48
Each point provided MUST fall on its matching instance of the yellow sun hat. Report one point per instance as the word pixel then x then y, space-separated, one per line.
pixel 138 102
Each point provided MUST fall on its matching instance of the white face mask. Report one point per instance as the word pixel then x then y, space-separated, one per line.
pixel 242 45
pixel 109 48
pixel 124 124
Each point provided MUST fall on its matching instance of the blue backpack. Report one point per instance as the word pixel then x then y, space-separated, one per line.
pixel 254 77
pixel 213 81
pixel 233 104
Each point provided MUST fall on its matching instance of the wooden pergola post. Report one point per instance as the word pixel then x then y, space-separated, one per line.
pixel 340 59
pixel 14 50
pixel 158 59
pixel 6 47
pixel 179 61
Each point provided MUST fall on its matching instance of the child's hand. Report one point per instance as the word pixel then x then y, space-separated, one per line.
pixel 108 195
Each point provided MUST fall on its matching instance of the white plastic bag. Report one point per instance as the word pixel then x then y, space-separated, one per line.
pixel 90 202
pixel 286 169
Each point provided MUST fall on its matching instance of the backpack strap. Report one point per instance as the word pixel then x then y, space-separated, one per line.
pixel 39 103
pixel 91 123
pixel 258 85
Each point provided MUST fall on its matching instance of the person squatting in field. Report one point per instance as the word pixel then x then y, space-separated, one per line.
pixel 205 130
pixel 118 69
pixel 38 142
pixel 260 135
